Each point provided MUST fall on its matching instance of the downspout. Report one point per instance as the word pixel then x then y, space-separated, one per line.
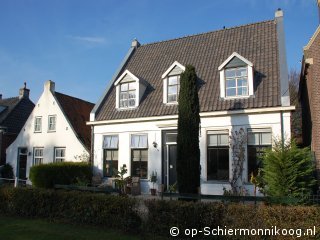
pixel 282 129
pixel 92 147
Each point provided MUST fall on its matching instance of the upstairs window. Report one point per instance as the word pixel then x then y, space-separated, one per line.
pixel 171 83
pixel 52 123
pixel 129 90
pixel 236 82
pixel 37 124
pixel 173 88
pixel 128 95
pixel 236 77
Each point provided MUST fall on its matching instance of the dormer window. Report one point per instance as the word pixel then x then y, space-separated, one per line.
pixel 236 77
pixel 171 83
pixel 128 95
pixel 129 90
pixel 236 82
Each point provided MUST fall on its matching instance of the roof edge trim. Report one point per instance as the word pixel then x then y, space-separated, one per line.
pixel 234 54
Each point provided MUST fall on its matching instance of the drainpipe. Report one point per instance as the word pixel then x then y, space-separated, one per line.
pixel 282 129
pixel 92 147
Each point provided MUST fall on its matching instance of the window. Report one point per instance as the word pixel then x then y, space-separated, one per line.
pixel 139 156
pixel 258 141
pixel 236 77
pixel 52 123
pixel 173 88
pixel 218 155
pixel 110 155
pixel 37 124
pixel 127 95
pixel 236 82
pixel 37 156
pixel 59 154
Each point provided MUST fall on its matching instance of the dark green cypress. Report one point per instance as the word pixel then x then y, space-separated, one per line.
pixel 188 152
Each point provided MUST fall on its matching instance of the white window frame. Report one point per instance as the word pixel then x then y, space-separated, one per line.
pixel 165 76
pixel 128 92
pixel 38 124
pixel 222 69
pixel 59 158
pixel 54 124
pixel 236 79
pixel 37 159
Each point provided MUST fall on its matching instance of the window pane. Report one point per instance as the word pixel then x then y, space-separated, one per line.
pixel 123 95
pixel 124 87
pixel 173 80
pixel 171 137
pixel 218 163
pixel 230 83
pixel 132 103
pixel 212 140
pixel 231 92
pixel 230 73
pixel 224 140
pixel 144 155
pixel 241 72
pixel 172 89
pixel 132 86
pixel 266 139
pixel 172 98
pixel 139 163
pixel 253 138
pixel 242 82
pixel 132 94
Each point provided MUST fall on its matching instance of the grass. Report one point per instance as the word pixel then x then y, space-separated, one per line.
pixel 13 228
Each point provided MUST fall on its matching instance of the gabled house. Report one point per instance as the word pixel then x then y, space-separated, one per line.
pixel 55 131
pixel 243 83
pixel 14 112
pixel 309 90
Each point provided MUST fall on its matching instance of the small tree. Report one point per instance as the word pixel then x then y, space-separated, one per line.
pixel 188 152
pixel 288 171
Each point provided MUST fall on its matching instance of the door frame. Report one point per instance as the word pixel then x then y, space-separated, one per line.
pixel 18 160
pixel 165 156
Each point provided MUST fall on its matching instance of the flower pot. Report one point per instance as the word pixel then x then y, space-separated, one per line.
pixel 153 191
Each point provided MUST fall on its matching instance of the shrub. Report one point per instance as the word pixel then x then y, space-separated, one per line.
pixel 6 171
pixel 75 207
pixel 288 171
pixel 47 175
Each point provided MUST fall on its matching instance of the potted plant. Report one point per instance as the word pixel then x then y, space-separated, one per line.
pixel 153 179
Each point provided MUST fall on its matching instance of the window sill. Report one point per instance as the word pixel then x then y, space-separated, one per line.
pixel 37 132
pixel 51 131
pixel 171 103
pixel 127 108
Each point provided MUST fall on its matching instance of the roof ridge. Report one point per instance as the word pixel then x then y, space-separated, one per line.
pixel 9 98
pixel 204 33
pixel 75 98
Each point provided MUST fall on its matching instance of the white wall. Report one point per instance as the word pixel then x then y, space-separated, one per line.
pixel 62 137
pixel 155 128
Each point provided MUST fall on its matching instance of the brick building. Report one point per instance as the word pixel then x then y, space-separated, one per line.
pixel 309 94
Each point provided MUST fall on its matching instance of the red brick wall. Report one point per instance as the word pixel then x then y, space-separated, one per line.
pixel 313 87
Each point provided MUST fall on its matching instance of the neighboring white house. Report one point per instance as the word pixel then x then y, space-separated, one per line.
pixel 55 131
pixel 243 83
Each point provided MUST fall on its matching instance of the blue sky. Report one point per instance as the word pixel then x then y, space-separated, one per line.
pixel 80 43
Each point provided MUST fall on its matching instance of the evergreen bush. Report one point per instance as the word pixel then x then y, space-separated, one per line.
pixel 65 173
pixel 188 152
pixel 6 171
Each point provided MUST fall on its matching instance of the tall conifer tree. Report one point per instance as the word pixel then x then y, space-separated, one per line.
pixel 188 152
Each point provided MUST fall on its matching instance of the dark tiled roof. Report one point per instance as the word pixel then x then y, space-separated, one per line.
pixel 256 42
pixel 16 113
pixel 77 111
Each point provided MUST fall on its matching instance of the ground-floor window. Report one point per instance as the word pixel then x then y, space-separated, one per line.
pixel 258 141
pixel 110 155
pixel 110 163
pixel 218 155
pixel 139 155
pixel 59 154
pixel 37 156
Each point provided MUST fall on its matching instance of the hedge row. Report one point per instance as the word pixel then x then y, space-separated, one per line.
pixel 75 207
pixel 65 173
pixel 189 215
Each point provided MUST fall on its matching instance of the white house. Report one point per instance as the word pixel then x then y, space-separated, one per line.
pixel 243 83
pixel 55 131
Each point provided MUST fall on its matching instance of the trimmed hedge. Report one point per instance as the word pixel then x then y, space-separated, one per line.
pixel 75 207
pixel 188 215
pixel 65 173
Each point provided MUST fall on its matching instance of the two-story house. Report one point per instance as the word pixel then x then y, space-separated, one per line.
pixel 55 131
pixel 243 83
pixel 14 112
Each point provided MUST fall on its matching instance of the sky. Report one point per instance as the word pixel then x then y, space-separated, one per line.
pixel 79 44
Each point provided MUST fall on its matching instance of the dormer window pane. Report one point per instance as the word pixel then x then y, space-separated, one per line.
pixel 236 82
pixel 173 88
pixel 127 95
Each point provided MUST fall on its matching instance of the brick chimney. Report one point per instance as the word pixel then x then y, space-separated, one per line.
pixel 24 92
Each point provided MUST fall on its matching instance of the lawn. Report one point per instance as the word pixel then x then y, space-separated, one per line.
pixel 12 228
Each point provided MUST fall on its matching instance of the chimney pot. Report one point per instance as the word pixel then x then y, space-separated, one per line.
pixel 49 86
pixel 24 92
pixel 279 13
pixel 135 43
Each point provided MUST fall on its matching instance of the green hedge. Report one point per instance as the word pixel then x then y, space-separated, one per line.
pixel 188 215
pixel 65 173
pixel 75 207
